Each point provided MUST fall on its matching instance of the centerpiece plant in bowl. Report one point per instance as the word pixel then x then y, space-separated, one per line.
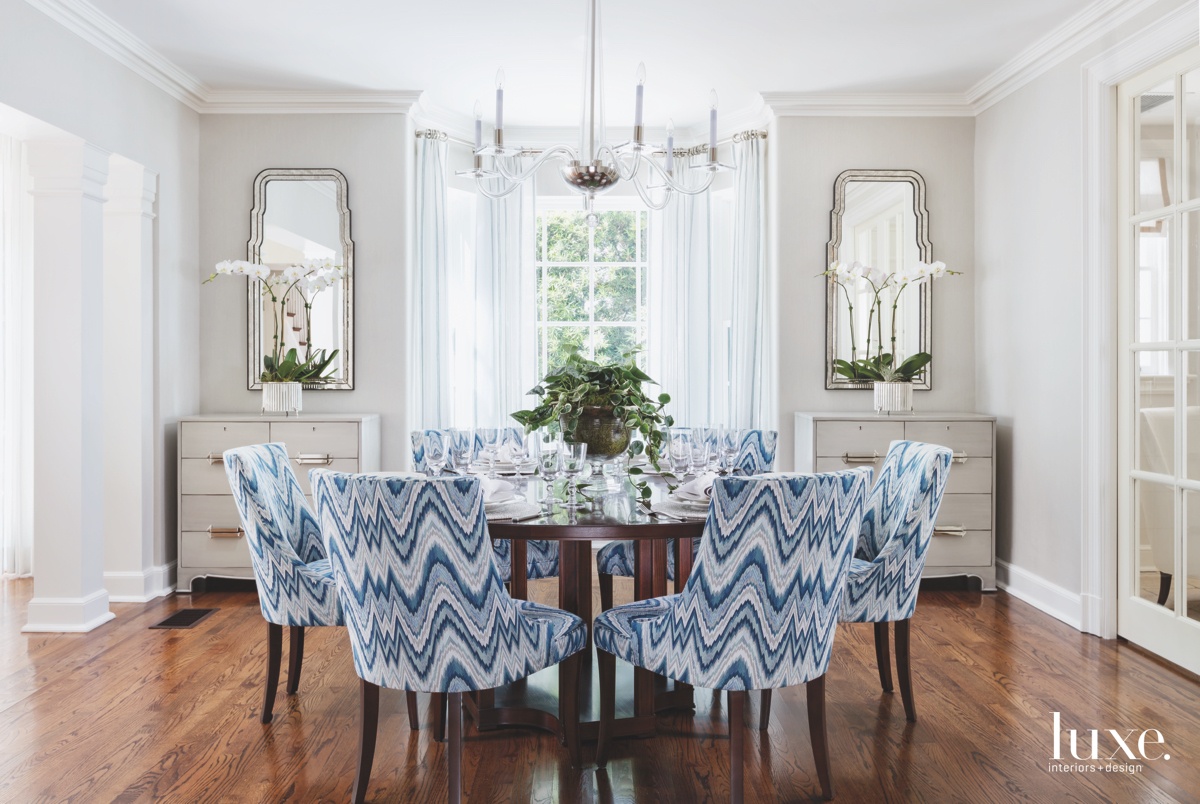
pixel 601 405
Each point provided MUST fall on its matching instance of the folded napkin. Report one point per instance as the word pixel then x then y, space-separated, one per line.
pixel 680 511
pixel 698 489
pixel 495 490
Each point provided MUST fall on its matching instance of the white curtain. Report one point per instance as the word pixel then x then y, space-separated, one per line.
pixel 502 308
pixel 752 336
pixel 429 360
pixel 16 362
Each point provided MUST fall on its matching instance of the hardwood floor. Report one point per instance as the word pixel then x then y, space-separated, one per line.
pixel 130 714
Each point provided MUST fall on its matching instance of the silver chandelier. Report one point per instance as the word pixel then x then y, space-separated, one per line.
pixel 595 166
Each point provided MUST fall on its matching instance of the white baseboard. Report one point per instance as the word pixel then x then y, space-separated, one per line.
pixel 1035 590
pixel 140 587
pixel 68 614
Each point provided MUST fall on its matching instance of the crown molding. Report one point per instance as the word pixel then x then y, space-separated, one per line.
pixel 811 104
pixel 306 102
pixel 1070 37
pixel 95 27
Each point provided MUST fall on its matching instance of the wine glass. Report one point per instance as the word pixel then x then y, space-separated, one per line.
pixel 731 445
pixel 435 454
pixel 489 441
pixel 549 465
pixel 459 450
pixel 680 450
pixel 519 449
pixel 698 456
pixel 573 463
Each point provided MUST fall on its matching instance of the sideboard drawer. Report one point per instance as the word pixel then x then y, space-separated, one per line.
pixel 203 550
pixel 971 549
pixel 199 512
pixel 972 476
pixel 970 511
pixel 335 439
pixel 336 465
pixel 202 476
pixel 965 438
pixel 201 439
pixel 835 439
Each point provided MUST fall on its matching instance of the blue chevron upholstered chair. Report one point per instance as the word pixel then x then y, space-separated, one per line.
pixel 425 605
pixel 541 556
pixel 759 611
pixel 892 547
pixel 756 455
pixel 295 583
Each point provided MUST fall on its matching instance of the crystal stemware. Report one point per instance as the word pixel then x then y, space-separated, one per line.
pixel 680 451
pixel 574 464
pixel 489 444
pixel 435 454
pixel 460 450
pixel 731 445
pixel 520 448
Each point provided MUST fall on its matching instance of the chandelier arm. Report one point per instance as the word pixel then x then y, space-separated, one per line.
pixel 495 194
pixel 522 176
pixel 644 192
pixel 670 181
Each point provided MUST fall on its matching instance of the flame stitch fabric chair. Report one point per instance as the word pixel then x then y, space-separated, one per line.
pixel 425 605
pixel 755 456
pixel 761 608
pixel 892 547
pixel 541 556
pixel 291 571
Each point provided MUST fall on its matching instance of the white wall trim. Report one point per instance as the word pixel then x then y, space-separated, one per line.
pixel 1086 27
pixel 96 27
pixel 810 104
pixel 1169 35
pixel 139 587
pixel 68 614
pixel 1070 37
pixel 1035 590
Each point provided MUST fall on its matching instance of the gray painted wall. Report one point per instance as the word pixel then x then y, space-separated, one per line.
pixel 371 150
pixel 808 153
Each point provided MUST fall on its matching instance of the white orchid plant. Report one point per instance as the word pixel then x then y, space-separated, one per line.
pixel 303 282
pixel 882 366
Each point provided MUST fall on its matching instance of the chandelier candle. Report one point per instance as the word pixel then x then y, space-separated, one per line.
pixel 637 107
pixel 670 161
pixel 712 127
pixel 500 106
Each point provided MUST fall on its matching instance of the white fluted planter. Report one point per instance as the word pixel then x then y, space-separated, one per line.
pixel 893 397
pixel 282 397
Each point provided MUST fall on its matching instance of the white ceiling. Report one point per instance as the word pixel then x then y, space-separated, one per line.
pixel 451 49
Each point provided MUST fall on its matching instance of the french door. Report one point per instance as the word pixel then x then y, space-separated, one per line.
pixel 1158 242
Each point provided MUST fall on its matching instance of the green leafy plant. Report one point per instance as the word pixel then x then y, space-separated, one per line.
pixel 880 368
pixel 583 383
pixel 316 368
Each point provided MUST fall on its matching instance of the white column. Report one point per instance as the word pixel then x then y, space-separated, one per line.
pixel 129 571
pixel 68 377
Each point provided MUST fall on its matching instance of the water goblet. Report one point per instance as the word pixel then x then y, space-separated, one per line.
pixel 489 444
pixel 549 466
pixel 435 454
pixel 698 457
pixel 520 450
pixel 680 452
pixel 731 445
pixel 460 450
pixel 574 464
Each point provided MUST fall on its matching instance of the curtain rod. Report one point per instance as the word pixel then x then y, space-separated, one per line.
pixel 741 136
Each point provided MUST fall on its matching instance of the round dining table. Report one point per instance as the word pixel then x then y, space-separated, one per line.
pixel 612 514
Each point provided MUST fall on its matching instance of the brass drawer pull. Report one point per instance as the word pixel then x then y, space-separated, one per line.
pixel 959 457
pixel 863 458
pixel 950 530
pixel 215 532
pixel 313 459
pixel 215 458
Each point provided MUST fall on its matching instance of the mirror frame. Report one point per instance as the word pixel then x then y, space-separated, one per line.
pixel 833 380
pixel 254 298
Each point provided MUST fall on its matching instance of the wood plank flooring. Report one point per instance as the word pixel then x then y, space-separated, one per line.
pixel 131 714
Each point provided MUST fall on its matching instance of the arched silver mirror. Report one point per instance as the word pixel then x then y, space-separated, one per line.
pixel 302 218
pixel 879 219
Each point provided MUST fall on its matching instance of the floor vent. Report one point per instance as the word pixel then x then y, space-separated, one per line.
pixel 184 618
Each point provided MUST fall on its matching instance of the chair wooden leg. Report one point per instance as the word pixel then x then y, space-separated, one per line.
pixel 414 722
pixel 737 739
pixel 606 591
pixel 438 699
pixel 274 655
pixel 607 665
pixel 764 711
pixel 1164 587
pixel 568 706
pixel 904 670
pixel 883 656
pixel 295 657
pixel 817 734
pixel 454 702
pixel 368 728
